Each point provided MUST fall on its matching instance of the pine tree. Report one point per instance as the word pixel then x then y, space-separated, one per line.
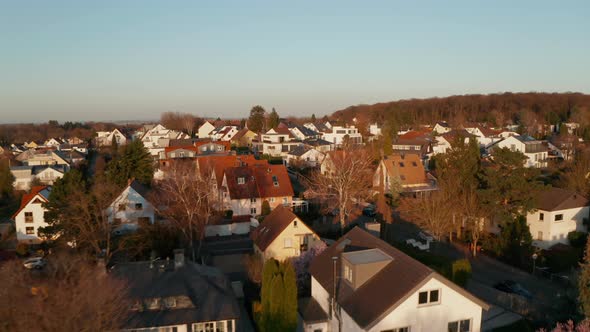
pixel 289 297
pixel 273 119
pixel 135 162
pixel 256 119
pixel 313 119
pixel 584 282
pixel 278 297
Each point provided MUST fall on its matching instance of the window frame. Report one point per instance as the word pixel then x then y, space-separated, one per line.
pixel 558 217
pixel 30 230
pixel 429 296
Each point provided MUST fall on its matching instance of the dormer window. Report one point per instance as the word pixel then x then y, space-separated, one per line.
pixel 138 206
pixel 170 302
pixel 347 273
pixel 153 303
pixel 275 181
pixel 401 164
pixel 241 180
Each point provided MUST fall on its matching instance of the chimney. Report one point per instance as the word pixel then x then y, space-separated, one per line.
pixel 178 258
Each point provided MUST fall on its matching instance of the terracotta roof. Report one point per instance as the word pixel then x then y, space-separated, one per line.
pixel 218 164
pixel 383 292
pixel 407 168
pixel 556 199
pixel 413 134
pixel 27 198
pixel 272 226
pixel 260 181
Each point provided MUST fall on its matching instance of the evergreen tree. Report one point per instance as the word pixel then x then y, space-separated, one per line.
pixel 313 119
pixel 59 208
pixel 516 241
pixel 256 119
pixel 135 162
pixel 584 282
pixel 6 180
pixel 289 297
pixel 273 119
pixel 278 297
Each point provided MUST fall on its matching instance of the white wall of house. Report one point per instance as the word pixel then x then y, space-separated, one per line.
pixel 549 231
pixel 227 229
pixel 49 175
pixel 288 243
pixel 338 133
pixel 537 159
pixel 205 129
pixel 27 230
pixel 453 306
pixel 129 207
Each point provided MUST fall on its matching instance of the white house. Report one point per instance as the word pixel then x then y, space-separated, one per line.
pixel 485 136
pixel 361 283
pixel 302 132
pixel 282 235
pixel 557 212
pixel 131 207
pixel 444 142
pixel 52 142
pixel 441 128
pixel 277 142
pixel 375 129
pixel 105 138
pixel 303 156
pixel 223 133
pixel 535 151
pixel 31 215
pixel 47 175
pixel 158 138
pixel 205 129
pixel 337 134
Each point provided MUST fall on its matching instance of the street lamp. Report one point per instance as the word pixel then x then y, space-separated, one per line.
pixel 535 256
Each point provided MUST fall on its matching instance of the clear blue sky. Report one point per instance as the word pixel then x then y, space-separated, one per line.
pixel 113 60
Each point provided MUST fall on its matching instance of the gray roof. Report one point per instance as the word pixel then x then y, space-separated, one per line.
pixel 316 142
pixel 305 131
pixel 525 138
pixel 207 288
pixel 366 256
pixel 299 151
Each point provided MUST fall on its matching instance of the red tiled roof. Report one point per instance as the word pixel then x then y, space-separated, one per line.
pixel 218 164
pixel 27 198
pixel 259 181
pixel 415 134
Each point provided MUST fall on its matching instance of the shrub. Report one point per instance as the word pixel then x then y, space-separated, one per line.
pixel 461 272
pixel 564 259
pixel 229 214
pixel 577 239
pixel 22 249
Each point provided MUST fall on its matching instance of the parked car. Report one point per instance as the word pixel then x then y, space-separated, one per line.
pixel 370 211
pixel 510 286
pixel 34 263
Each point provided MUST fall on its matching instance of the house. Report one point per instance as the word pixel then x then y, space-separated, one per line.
pixel 205 129
pixel 337 135
pixel 414 141
pixel 243 138
pixel 158 138
pixel 441 128
pixel 557 212
pixel 132 207
pixel 276 142
pixel 236 225
pixel 198 147
pixel 403 173
pixel 42 158
pixel 485 136
pixel 223 133
pixel 319 144
pixel 361 283
pixel 442 143
pixel 375 129
pixel 302 132
pixel 31 215
pixel 52 143
pixel 245 188
pixel 535 151
pixel 47 175
pixel 106 138
pixel 282 235
pixel 303 157
pixel 174 295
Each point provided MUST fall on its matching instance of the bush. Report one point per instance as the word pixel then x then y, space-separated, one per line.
pixel 22 249
pixel 461 270
pixel 577 239
pixel 564 259
pixel 265 208
pixel 229 214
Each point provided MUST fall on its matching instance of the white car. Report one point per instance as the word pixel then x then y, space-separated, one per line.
pixel 35 263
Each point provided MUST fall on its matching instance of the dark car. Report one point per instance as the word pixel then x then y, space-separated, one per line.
pixel 510 286
pixel 369 211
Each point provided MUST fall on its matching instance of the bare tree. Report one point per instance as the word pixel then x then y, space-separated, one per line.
pixel 345 183
pixel 474 218
pixel 430 212
pixel 179 121
pixel 187 199
pixel 69 294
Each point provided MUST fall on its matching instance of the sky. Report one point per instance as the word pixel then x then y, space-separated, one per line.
pixel 132 60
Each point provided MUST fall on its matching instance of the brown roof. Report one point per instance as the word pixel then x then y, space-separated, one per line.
pixel 259 181
pixel 27 198
pixel 218 164
pixel 311 311
pixel 383 292
pixel 272 226
pixel 411 173
pixel 555 199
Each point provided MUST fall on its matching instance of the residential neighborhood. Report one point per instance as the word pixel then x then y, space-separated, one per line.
pixel 294 166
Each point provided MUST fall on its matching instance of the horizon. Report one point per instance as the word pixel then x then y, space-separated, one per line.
pixel 111 61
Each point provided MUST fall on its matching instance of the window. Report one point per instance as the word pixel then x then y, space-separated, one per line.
pixel 399 329
pixel 558 217
pixel 241 180
pixel 253 200
pixel 402 177
pixel 541 216
pixel 153 303
pixel 122 207
pixel 460 326
pixel 30 230
pixel 415 165
pixel 271 200
pixel 318 330
pixel 401 164
pixel 170 302
pixel 28 216
pixel 540 236
pixel 512 147
pixel 275 181
pixel 347 272
pixel 285 201
pixel 138 206
pixel 429 297
pixel 288 242
pixel 295 223
pixel 252 210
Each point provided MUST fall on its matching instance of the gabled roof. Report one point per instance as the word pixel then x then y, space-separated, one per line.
pixel 259 181
pixel 209 291
pixel 299 151
pixel 218 164
pixel 556 199
pixel 525 138
pixel 407 168
pixel 139 188
pixel 41 191
pixel 272 226
pixel 383 292
pixel 241 133
pixel 305 131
